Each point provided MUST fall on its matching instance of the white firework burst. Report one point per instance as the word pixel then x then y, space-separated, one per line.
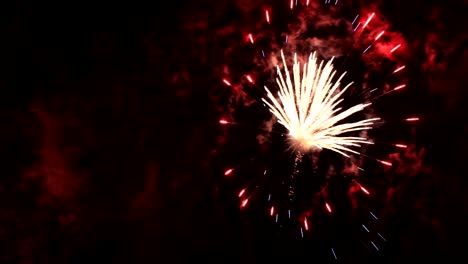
pixel 309 108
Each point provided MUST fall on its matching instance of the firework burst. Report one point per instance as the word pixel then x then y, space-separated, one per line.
pixel 308 108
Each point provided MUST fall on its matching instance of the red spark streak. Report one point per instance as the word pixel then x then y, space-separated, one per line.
pixel 267 16
pixel 241 192
pixel 251 38
pixel 379 35
pixel 399 87
pixel 328 207
pixel 307 2
pixel 412 119
pixel 244 202
pixel 249 78
pixel 364 190
pixel 399 69
pixel 272 210
pixel 400 146
pixel 385 163
pixel 226 173
pixel 292 4
pixel 306 226
pixel 223 122
pixel 395 48
pixel 227 82
pixel 368 20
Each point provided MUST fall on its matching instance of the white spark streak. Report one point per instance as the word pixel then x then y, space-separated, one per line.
pixel 308 109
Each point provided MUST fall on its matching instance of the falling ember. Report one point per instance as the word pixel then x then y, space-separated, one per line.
pixel 306 226
pixel 353 20
pixel 412 119
pixel 227 82
pixel 251 38
pixel 307 3
pixel 400 146
pixel 379 35
pixel 241 192
pixel 272 210
pixel 357 26
pixel 399 69
pixel 395 48
pixel 223 122
pixel 364 190
pixel 249 78
pixel 385 163
pixel 267 16
pixel 399 87
pixel 226 173
pixel 328 207
pixel 292 4
pixel 244 202
pixel 368 20
pixel 334 255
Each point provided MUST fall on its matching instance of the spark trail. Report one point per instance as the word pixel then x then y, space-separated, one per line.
pixel 308 108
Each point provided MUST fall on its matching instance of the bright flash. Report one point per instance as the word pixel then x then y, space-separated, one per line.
pixel 307 108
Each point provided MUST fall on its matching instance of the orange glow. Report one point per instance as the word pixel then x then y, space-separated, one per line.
pixel 228 172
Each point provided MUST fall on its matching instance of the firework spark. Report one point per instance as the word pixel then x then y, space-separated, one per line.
pixel 308 109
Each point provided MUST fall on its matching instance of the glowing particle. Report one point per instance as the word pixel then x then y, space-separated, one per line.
pixel 286 39
pixel 357 26
pixel 399 87
pixel 361 169
pixel 364 190
pixel 329 209
pixel 227 172
pixel 289 214
pixel 272 210
pixel 375 246
pixel 385 163
pixel 276 220
pixel 223 122
pixel 292 4
pixel 307 3
pixel 227 82
pixel 399 69
pixel 251 38
pixel 365 228
pixel 333 252
pixel 244 202
pixel 412 119
pixel 373 215
pixel 263 53
pixel 269 197
pixel 379 35
pixel 368 20
pixel 400 146
pixel 373 90
pixel 381 237
pixel 306 226
pixel 355 19
pixel 302 233
pixel 367 49
pixel 249 78
pixel 241 192
pixel 395 48
pixel 267 16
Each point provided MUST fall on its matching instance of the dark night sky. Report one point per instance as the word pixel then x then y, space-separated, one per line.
pixel 108 122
